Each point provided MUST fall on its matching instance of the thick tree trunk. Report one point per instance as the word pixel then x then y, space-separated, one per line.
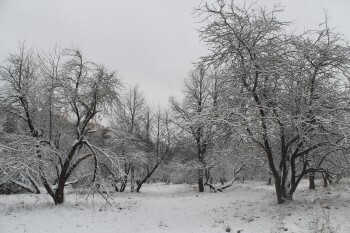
pixel 65 173
pixel 312 180
pixel 279 191
pixel 200 181
pixel 59 195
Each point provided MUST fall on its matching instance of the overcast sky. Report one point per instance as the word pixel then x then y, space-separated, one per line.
pixel 150 42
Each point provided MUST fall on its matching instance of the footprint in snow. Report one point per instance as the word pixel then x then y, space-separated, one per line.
pixel 162 224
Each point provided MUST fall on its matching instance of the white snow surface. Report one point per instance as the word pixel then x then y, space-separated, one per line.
pixel 161 208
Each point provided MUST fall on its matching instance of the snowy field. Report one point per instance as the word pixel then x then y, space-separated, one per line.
pixel 249 207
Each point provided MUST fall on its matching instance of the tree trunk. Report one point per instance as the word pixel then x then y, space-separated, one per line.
pixel 200 180
pixel 125 178
pixel 59 195
pixel 124 183
pixel 312 180
pixel 279 191
pixel 139 185
pixel 132 178
pixel 147 177
pixel 325 182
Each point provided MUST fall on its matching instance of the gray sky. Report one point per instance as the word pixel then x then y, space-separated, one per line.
pixel 150 42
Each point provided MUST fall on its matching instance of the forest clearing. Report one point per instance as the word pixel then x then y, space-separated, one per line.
pixel 248 208
pixel 250 135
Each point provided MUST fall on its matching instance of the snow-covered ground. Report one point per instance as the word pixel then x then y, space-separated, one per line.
pixel 249 207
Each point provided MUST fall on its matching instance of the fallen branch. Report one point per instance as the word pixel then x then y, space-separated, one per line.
pixel 221 188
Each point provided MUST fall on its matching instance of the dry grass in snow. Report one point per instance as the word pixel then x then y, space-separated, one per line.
pixel 249 207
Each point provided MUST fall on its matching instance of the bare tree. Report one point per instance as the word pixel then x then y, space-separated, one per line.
pixel 292 86
pixel 126 133
pixel 81 89
pixel 194 117
pixel 159 146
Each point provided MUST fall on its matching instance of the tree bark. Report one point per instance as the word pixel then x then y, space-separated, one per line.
pixel 279 191
pixel 325 182
pixel 312 180
pixel 147 177
pixel 132 178
pixel 125 178
pixel 200 181
pixel 59 195
pixel 326 179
